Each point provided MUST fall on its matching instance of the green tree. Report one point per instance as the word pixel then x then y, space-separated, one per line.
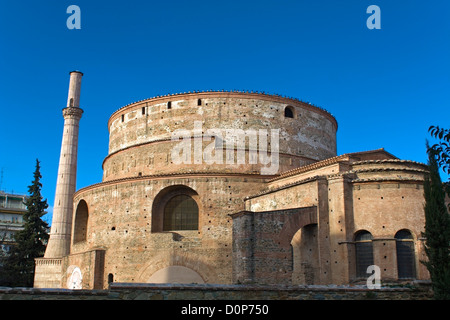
pixel 442 148
pixel 437 229
pixel 18 269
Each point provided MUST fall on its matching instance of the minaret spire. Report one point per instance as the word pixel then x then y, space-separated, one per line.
pixel 60 233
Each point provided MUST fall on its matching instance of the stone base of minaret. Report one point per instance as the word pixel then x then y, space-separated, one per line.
pixel 48 273
pixel 84 270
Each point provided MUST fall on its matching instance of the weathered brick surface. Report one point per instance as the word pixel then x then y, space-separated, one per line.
pixel 124 210
pixel 379 196
pixel 141 143
pixel 262 241
pixel 295 226
pixel 120 220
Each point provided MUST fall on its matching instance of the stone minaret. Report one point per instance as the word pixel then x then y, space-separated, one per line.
pixel 60 233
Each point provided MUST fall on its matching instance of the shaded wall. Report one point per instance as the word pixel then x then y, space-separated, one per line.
pixel 262 250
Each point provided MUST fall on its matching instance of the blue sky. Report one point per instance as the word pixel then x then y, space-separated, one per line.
pixel 385 87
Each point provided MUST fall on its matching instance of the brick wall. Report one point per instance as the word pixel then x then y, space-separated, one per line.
pixel 262 244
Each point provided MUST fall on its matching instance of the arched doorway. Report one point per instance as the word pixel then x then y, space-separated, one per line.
pixel 305 255
pixel 175 274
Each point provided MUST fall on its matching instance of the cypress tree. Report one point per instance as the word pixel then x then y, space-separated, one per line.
pixel 31 241
pixel 437 230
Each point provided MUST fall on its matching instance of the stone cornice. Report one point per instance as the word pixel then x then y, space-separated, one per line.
pixel 342 158
pixel 349 176
pixel 286 186
pixel 389 169
pixel 389 179
pixel 396 161
pixel 312 166
pixel 180 175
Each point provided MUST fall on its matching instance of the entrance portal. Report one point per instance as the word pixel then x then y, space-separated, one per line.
pixel 175 274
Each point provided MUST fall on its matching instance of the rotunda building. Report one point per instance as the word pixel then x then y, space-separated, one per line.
pixel 240 187
pixel 151 214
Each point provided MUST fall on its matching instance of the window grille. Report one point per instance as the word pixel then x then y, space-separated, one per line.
pixel 181 213
pixel 364 253
pixel 405 255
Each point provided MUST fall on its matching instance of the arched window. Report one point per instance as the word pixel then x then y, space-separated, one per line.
pixel 288 112
pixel 81 222
pixel 406 257
pixel 180 213
pixel 169 105
pixel 199 102
pixel 176 207
pixel 364 253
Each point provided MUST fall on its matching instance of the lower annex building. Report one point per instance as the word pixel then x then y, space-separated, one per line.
pixel 184 200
